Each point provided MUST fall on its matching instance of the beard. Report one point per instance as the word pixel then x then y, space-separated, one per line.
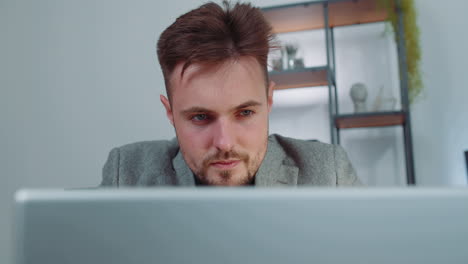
pixel 223 177
pixel 226 177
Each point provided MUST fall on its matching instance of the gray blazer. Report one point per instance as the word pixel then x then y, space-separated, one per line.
pixel 287 162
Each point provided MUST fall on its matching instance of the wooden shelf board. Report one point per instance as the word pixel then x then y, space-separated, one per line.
pixel 295 18
pixel 310 16
pixel 370 120
pixel 308 77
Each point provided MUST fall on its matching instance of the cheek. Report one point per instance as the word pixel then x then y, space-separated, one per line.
pixel 257 124
pixel 194 141
pixel 253 133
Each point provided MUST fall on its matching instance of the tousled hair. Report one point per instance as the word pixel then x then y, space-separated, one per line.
pixel 212 35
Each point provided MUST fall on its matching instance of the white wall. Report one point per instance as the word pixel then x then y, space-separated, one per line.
pixel 79 77
pixel 440 118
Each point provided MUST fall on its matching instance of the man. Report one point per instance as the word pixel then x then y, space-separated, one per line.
pixel 219 97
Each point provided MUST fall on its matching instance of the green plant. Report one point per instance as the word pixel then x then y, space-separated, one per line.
pixel 413 49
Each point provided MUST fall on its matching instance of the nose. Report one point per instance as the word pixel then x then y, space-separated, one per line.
pixel 223 135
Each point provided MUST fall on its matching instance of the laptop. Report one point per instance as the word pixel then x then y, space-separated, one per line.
pixel 242 225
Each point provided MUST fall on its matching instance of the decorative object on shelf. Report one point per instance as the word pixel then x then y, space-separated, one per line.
pixel 383 102
pixel 358 93
pixel 276 58
pixel 298 63
pixel 277 64
pixel 411 42
pixel 292 61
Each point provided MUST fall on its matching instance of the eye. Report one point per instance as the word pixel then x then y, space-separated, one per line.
pixel 246 113
pixel 199 117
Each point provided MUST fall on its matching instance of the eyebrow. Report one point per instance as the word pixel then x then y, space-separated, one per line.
pixel 198 109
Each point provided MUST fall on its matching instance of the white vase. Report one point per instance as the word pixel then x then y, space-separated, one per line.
pixel 358 93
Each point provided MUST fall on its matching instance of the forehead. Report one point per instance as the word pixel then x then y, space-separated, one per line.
pixel 225 84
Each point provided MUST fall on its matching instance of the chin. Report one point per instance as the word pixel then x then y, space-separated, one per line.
pixel 221 178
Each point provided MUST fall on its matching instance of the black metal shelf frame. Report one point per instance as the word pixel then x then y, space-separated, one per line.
pixel 333 106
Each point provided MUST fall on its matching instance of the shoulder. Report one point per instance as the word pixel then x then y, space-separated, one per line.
pixel 140 163
pixel 151 148
pixel 319 163
pixel 148 152
pixel 299 148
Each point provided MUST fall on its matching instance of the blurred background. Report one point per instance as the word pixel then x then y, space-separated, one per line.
pixel 78 78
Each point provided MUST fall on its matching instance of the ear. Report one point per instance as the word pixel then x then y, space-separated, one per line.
pixel 167 105
pixel 271 87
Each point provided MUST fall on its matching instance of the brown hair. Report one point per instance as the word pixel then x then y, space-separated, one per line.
pixel 212 35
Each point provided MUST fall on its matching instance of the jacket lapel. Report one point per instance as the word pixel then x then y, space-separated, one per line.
pixel 275 170
pixel 183 174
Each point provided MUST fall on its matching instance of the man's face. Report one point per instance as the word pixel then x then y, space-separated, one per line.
pixel 220 114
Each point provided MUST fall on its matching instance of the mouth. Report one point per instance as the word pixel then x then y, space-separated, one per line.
pixel 225 164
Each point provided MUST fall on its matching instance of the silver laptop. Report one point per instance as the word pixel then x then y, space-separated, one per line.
pixel 243 225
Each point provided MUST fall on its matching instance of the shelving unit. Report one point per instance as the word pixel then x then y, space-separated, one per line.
pixel 326 15
pixel 307 77
pixel 309 15
pixel 379 119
